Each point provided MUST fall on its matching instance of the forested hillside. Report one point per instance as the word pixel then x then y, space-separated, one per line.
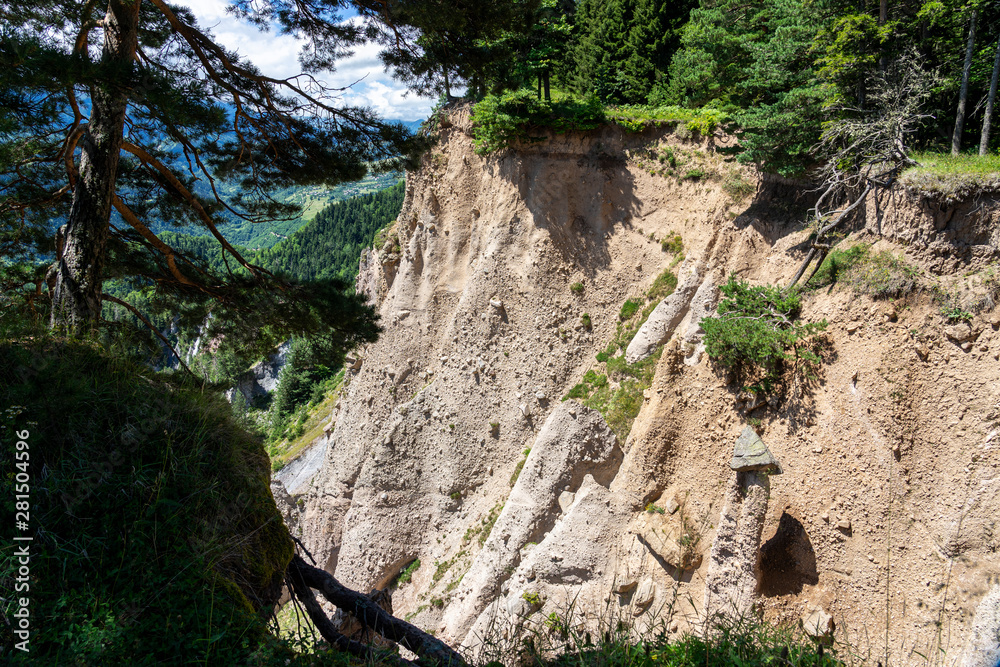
pixel 773 71
pixel 330 246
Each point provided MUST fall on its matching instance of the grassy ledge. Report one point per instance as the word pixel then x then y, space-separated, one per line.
pixel 952 177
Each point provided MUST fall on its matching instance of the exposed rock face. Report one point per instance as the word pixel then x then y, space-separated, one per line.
pixel 983 649
pixel 734 565
pixel 262 378
pixel 574 444
pixel 889 446
pixel 665 318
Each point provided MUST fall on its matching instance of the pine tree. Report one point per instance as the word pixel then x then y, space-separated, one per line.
pixel 113 120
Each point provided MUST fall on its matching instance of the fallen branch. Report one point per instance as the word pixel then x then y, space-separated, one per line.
pixel 303 593
pixel 374 617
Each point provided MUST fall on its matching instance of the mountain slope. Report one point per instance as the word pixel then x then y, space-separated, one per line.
pixel 452 446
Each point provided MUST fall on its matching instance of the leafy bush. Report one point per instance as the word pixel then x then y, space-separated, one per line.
pixel 586 321
pixel 756 330
pixel 501 121
pixel 576 288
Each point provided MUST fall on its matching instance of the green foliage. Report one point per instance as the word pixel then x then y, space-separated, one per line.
pixel 156 540
pixel 638 117
pixel 655 509
pixel 330 245
pixel 518 468
pixel 672 243
pixel 837 262
pixel 665 283
pixel 532 598
pixel 562 641
pixel 756 330
pixel 586 321
pixel 576 288
pixel 756 63
pixel 629 309
pixel 881 275
pixel 953 177
pixel 406 576
pixel 621 48
pixel 502 121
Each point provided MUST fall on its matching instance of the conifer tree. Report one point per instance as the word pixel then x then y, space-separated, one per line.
pixel 118 114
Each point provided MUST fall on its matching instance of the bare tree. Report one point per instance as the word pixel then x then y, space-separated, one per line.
pixel 867 148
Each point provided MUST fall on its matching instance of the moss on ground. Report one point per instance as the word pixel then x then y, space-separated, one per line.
pixel 156 539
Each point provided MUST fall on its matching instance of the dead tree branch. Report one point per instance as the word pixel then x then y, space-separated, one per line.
pixel 371 615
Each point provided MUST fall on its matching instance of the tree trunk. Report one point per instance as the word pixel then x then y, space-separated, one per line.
pixel 883 16
pixel 539 85
pixel 545 77
pixel 956 138
pixel 447 83
pixel 984 138
pixel 76 302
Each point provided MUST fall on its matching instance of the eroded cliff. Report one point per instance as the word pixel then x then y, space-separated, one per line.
pixel 452 445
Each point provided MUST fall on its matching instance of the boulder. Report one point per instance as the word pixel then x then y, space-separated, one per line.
pixel 750 453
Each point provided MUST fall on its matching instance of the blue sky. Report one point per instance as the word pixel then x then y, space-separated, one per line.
pixel 276 55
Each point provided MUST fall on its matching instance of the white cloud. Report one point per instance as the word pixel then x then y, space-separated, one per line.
pixel 277 55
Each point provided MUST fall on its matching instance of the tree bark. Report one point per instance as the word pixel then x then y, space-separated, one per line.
pixel 956 138
pixel 984 138
pixel 372 616
pixel 76 302
pixel 545 78
pixel 883 16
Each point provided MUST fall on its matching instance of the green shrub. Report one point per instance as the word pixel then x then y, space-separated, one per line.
pixel 836 263
pixel 664 285
pixel 586 321
pixel 694 174
pixel 576 288
pixel 672 243
pixel 501 121
pixel 406 576
pixel 756 330
pixel 629 309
